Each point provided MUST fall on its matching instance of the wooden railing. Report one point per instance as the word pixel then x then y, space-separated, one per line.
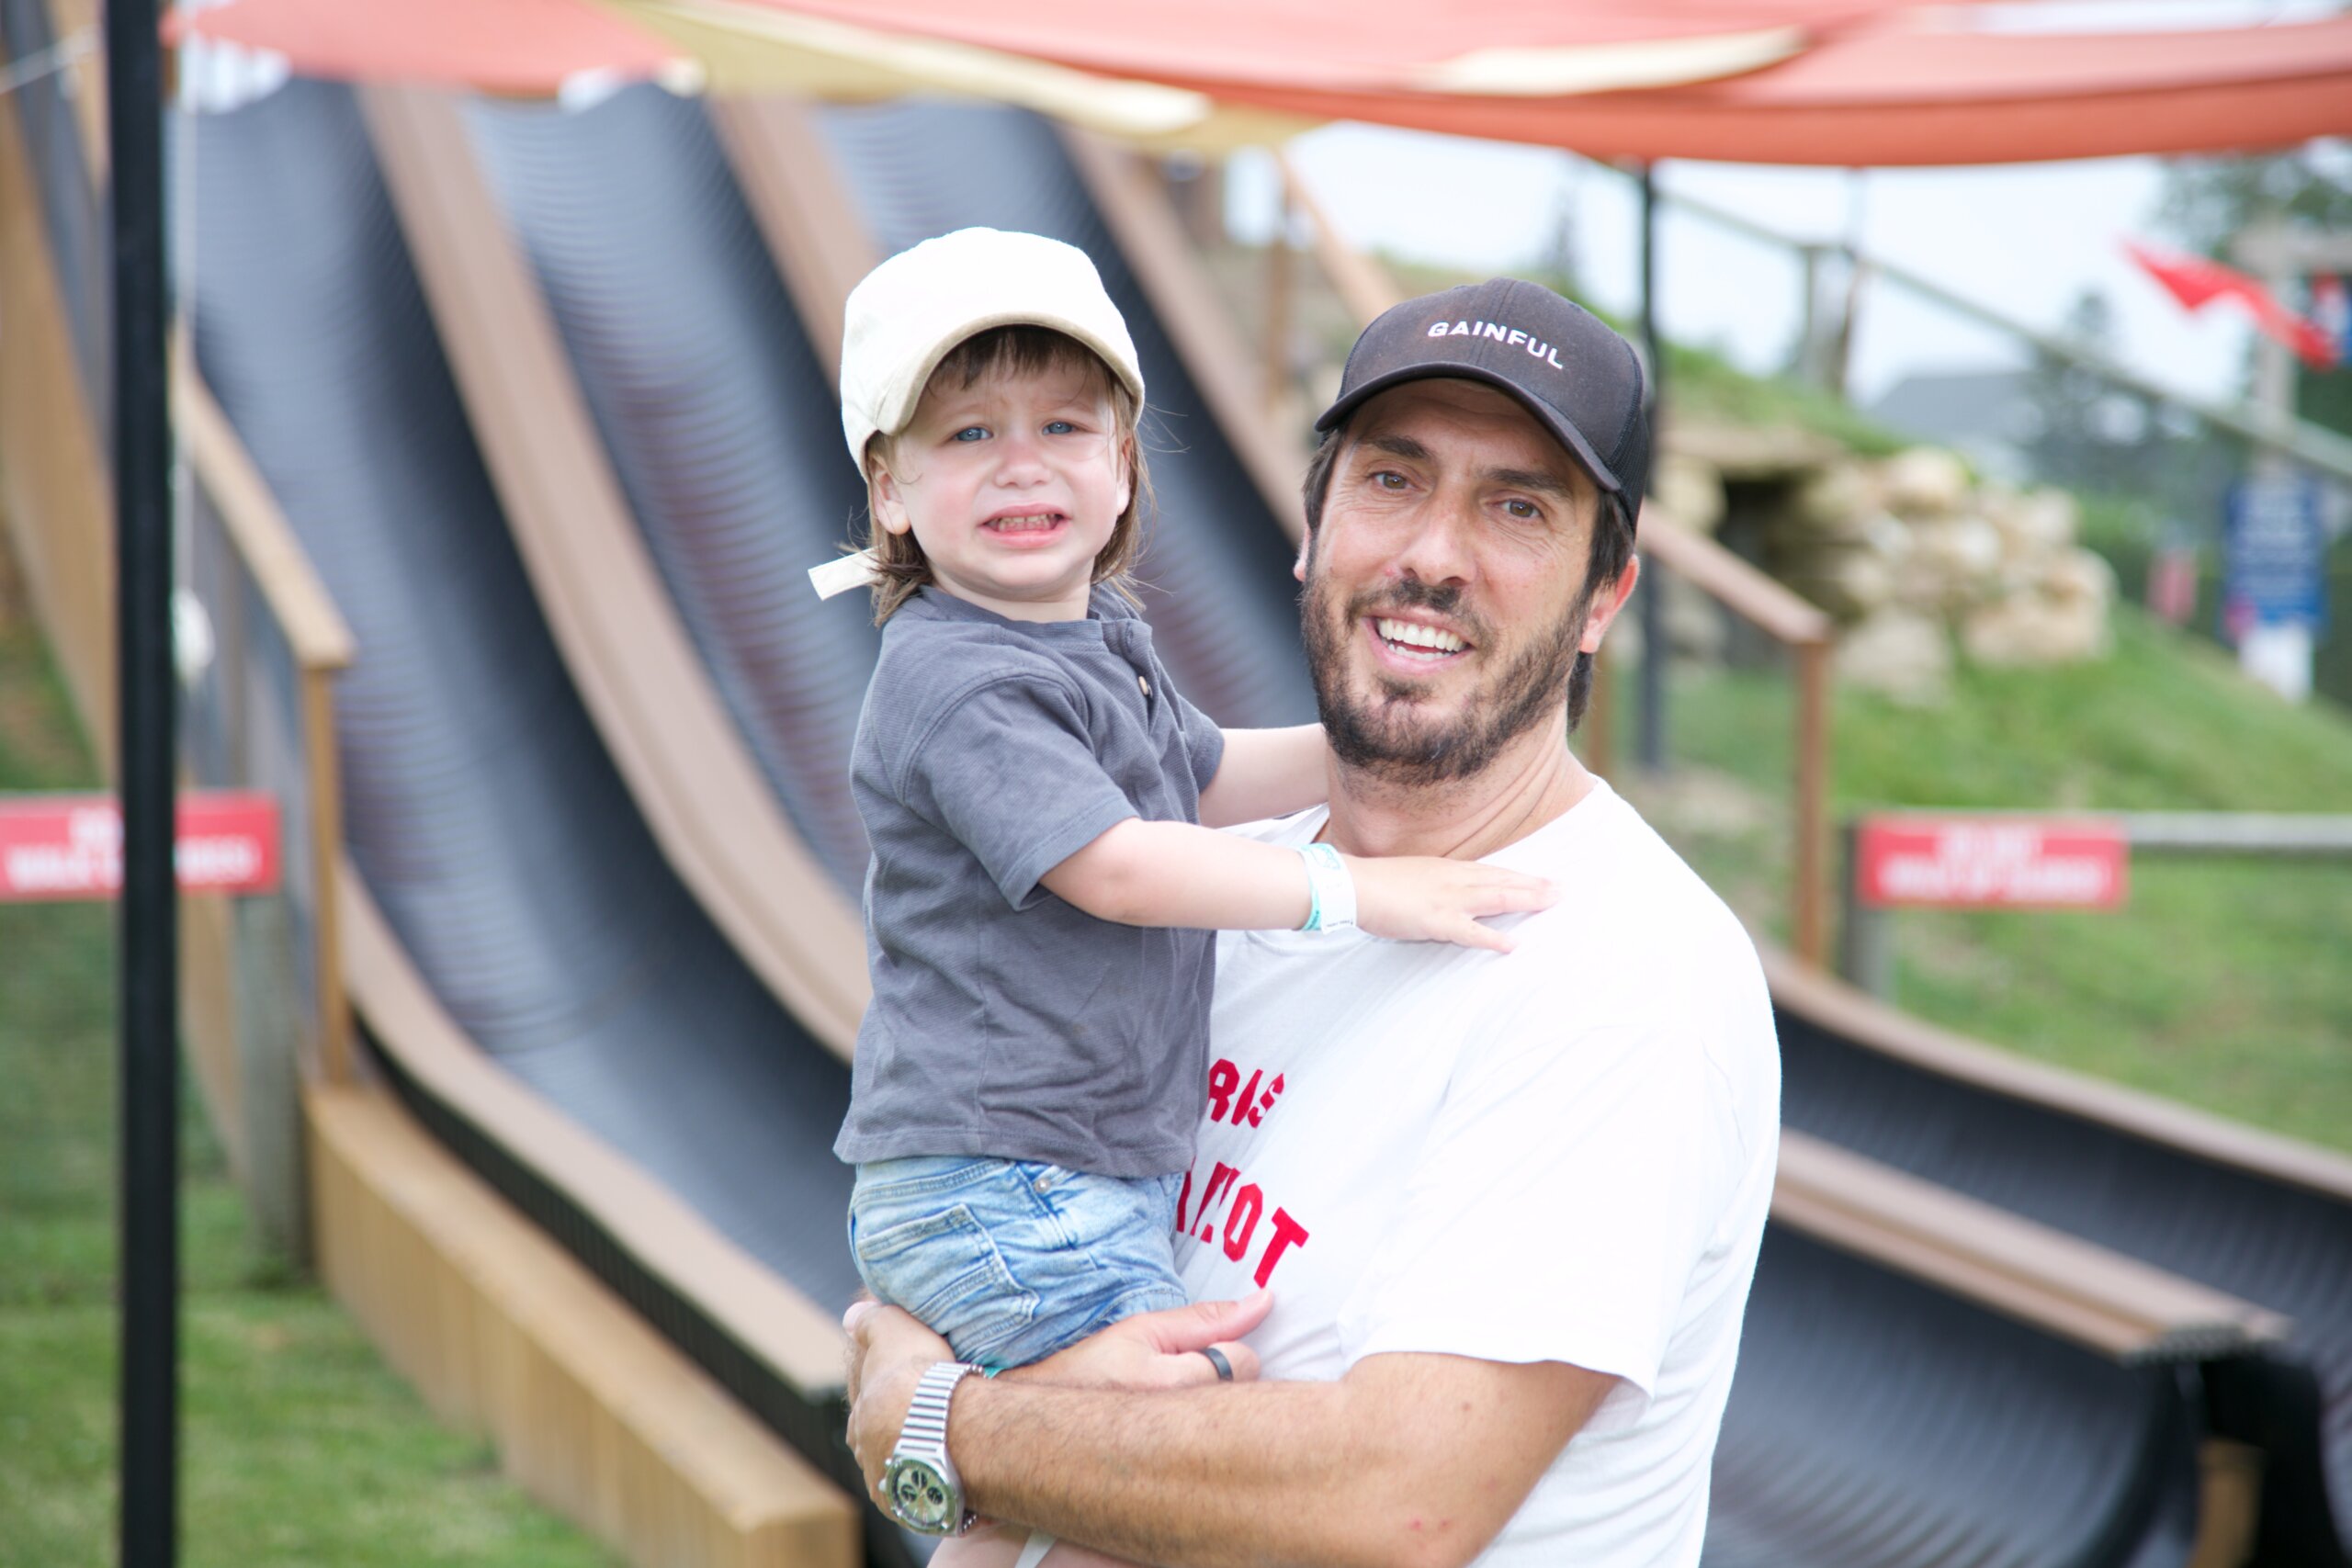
pixel 276 578
pixel 688 766
pixel 1805 632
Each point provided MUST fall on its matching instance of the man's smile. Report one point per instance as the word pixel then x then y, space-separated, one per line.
pixel 1410 643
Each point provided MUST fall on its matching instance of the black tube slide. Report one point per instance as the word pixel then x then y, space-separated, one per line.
pixel 621 207
pixel 480 807
pixel 724 430
pixel 1218 584
pixel 2285 1247
pixel 1875 1422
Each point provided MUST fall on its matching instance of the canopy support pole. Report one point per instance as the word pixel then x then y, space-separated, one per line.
pixel 150 952
pixel 1650 741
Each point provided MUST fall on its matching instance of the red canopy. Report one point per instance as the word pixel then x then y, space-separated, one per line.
pixel 1889 98
pixel 523 47
pixel 1377 45
pixel 1858 82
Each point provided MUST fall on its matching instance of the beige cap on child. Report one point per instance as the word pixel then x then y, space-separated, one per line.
pixel 908 313
pixel 906 316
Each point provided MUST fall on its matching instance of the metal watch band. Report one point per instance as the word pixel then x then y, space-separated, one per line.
pixel 926 1423
pixel 919 1480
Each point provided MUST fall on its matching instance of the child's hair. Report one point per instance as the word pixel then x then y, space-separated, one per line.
pixel 900 568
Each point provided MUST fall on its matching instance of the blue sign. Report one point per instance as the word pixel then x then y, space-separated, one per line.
pixel 2274 551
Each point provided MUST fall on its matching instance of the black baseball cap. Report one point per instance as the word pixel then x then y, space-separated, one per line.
pixel 1579 378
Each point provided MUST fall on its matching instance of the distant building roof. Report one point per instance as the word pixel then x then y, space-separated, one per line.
pixel 1987 415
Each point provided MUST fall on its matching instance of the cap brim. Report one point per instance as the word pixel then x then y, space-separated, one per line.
pixel 1549 418
pixel 903 405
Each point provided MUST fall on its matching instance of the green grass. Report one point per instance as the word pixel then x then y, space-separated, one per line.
pixel 2224 983
pixel 297 1447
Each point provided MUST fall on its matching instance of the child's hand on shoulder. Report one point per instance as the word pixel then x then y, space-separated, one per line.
pixel 1423 899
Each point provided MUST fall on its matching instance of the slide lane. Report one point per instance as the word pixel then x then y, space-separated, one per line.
pixel 482 815
pixel 721 423
pixel 2258 1216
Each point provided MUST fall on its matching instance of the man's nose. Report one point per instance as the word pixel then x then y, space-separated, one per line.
pixel 1438 548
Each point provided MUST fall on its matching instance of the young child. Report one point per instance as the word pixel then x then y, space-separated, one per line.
pixel 1041 899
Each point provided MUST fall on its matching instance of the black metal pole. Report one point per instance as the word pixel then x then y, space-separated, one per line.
pixel 1650 743
pixel 150 987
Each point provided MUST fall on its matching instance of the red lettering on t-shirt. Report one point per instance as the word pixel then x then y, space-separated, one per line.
pixel 1266 1102
pixel 1221 1177
pixel 1249 1092
pixel 1248 1205
pixel 1223 1075
pixel 1184 1196
pixel 1288 1233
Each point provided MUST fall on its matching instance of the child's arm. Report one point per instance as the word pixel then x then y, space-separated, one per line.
pixel 1267 773
pixel 1173 873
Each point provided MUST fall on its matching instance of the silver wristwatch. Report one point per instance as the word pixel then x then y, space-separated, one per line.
pixel 919 1481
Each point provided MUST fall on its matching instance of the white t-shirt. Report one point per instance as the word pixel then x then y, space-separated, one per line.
pixel 1564 1154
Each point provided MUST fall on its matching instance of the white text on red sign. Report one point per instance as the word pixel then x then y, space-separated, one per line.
pixel 1991 863
pixel 66 847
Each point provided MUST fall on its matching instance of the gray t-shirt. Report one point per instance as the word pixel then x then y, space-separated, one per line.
pixel 1005 1021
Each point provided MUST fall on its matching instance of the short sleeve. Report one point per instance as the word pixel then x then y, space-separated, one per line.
pixel 1007 770
pixel 1565 1193
pixel 1203 742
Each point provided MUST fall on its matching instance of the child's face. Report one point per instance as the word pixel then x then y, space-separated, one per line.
pixel 1012 485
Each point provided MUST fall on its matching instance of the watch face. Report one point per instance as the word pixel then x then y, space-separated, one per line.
pixel 921 1496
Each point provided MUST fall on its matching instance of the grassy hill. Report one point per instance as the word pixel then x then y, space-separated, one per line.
pixel 298 1447
pixel 2224 983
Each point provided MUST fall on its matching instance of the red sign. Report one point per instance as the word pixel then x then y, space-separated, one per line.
pixel 1980 862
pixel 62 846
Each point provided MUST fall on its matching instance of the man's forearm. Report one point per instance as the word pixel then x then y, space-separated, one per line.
pixel 1275 1473
pixel 1206 1478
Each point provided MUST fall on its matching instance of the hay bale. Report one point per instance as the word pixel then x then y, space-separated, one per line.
pixel 1926 481
pixel 1902 653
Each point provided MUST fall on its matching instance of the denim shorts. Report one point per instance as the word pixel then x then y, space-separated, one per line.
pixel 1011 1260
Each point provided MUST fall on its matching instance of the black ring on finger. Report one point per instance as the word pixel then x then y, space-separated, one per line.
pixel 1216 1358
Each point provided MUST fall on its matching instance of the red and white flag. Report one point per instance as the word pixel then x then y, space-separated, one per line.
pixel 2197 281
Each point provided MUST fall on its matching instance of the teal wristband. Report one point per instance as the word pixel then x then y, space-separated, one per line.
pixel 1330 891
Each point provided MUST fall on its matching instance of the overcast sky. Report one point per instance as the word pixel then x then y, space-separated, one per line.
pixel 2028 239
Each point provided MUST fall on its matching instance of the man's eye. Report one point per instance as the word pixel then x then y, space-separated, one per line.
pixel 971 432
pixel 1389 479
pixel 1524 511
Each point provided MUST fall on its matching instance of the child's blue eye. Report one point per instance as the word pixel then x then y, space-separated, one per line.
pixel 1061 427
pixel 971 432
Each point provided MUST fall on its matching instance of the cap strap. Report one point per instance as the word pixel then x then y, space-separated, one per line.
pixel 862 568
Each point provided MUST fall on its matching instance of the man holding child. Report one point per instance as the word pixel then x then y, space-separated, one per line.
pixel 1483 1221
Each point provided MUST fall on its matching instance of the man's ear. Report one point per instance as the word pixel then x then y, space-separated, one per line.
pixel 1607 603
pixel 1305 549
pixel 883 496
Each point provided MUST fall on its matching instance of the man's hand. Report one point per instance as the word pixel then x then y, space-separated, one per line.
pixel 1160 1350
pixel 888 1350
pixel 1423 899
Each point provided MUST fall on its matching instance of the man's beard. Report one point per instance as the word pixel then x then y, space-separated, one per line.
pixel 1382 734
